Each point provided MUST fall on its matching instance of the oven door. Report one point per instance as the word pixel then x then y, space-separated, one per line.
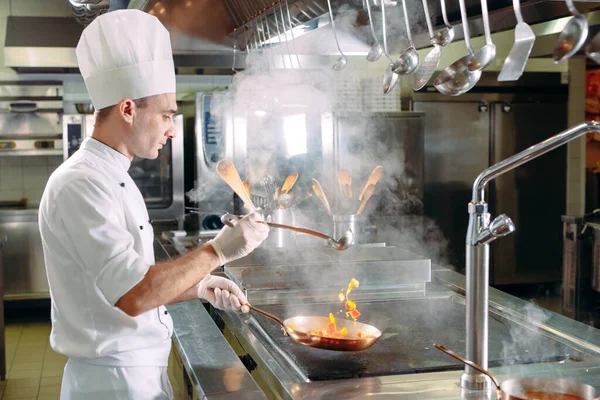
pixel 161 181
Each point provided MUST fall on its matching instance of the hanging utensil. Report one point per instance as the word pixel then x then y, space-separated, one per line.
pixel 457 79
pixel 287 46
pixel 279 37
pixel 531 387
pixel 321 195
pixel 365 198
pixel 226 170
pixel 376 51
pixel 372 180
pixel 592 50
pixel 484 56
pixel 345 182
pixel 342 61
pixel 517 58
pixel 234 50
pixel 572 37
pixel 299 328
pixel 289 182
pixel 390 79
pixel 444 36
pixel 432 59
pixel 342 243
pixel 287 6
pixel 409 59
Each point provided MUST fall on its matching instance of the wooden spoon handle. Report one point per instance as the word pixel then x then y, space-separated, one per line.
pixel 226 170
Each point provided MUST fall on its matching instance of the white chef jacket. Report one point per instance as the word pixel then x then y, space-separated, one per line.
pixel 98 244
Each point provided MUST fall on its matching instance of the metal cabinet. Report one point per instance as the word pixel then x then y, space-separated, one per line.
pixel 24 271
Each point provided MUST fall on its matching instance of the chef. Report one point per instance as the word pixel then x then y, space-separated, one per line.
pixel 107 291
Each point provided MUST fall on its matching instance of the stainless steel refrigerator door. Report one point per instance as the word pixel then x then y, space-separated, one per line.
pixel 456 151
pixel 533 195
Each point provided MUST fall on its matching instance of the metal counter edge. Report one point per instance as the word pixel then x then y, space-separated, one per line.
pixel 209 361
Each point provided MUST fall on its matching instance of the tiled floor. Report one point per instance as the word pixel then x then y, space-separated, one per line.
pixel 34 370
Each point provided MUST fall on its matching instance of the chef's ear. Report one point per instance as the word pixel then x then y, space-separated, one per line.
pixel 127 110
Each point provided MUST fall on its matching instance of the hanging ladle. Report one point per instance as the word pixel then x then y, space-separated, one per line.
pixel 485 55
pixel 532 387
pixel 409 60
pixel 572 37
pixel 390 78
pixel 342 243
pixel 457 79
pixel 444 36
pixel 342 61
pixel 432 59
pixel 376 50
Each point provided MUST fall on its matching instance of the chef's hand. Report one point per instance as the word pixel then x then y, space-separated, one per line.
pixel 222 293
pixel 246 235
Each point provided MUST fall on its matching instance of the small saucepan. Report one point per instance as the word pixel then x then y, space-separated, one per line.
pixel 533 388
pixel 299 328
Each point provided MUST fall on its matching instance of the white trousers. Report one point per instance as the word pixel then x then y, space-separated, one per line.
pixel 83 381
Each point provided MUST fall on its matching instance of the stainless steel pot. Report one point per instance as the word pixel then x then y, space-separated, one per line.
pixel 343 223
pixel 281 237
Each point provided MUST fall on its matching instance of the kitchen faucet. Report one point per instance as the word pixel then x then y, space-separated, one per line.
pixel 480 233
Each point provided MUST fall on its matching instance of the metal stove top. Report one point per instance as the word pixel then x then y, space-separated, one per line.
pixel 410 327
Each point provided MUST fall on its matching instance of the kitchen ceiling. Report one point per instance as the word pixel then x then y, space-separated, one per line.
pixel 203 32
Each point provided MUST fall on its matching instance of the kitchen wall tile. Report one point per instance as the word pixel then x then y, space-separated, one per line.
pixel 4 9
pixel 35 176
pixel 33 196
pixel 9 195
pixel 11 177
pixel 35 160
pixel 11 161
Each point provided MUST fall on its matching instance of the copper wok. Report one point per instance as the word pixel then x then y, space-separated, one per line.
pixel 303 325
pixel 533 388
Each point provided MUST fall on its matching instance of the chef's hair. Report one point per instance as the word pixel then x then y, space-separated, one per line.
pixel 102 115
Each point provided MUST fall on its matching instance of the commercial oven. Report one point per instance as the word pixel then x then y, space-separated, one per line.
pixel 160 180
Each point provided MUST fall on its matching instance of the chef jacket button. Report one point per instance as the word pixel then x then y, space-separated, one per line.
pixel 122 184
pixel 141 226
pixel 166 312
pixel 149 221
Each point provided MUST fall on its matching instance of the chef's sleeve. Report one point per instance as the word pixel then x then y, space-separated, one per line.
pixel 94 221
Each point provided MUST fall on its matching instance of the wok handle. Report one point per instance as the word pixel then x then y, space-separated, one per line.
pixel 266 314
pixel 469 363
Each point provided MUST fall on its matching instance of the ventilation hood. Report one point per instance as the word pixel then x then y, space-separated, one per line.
pixel 213 35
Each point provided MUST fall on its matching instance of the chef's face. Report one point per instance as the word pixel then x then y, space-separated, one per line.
pixel 153 125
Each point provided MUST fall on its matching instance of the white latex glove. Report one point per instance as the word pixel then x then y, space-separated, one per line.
pixel 222 294
pixel 246 235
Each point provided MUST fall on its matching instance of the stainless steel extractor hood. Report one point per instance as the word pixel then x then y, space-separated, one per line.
pixel 203 32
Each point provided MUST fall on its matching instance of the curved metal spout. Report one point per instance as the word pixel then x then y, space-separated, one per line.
pixel 480 233
pixel 529 154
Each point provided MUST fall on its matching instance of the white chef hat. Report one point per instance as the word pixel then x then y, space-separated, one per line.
pixel 125 54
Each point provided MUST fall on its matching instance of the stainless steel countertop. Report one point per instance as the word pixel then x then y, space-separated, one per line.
pixel 213 368
pixel 211 364
pixel 288 381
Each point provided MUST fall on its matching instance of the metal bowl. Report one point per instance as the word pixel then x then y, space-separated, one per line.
pixel 84 108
